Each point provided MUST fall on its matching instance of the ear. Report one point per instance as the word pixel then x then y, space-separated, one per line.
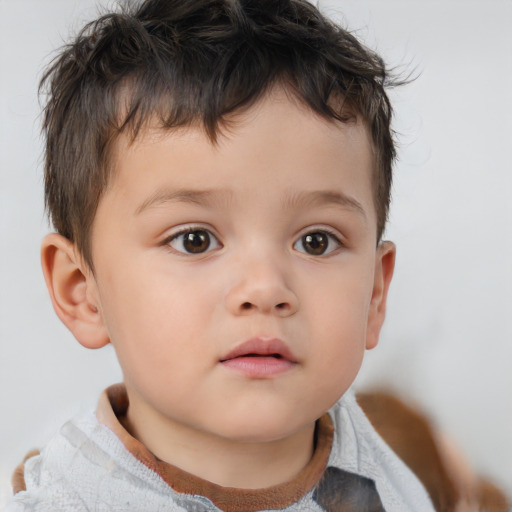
pixel 73 291
pixel 384 266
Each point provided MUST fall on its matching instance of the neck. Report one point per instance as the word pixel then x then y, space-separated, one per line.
pixel 222 461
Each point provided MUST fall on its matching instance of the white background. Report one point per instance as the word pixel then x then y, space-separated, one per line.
pixel 447 343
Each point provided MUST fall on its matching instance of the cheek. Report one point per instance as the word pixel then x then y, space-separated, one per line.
pixel 341 308
pixel 338 331
pixel 155 321
pixel 337 371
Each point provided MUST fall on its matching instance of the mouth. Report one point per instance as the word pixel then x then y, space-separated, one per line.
pixel 261 347
pixel 260 358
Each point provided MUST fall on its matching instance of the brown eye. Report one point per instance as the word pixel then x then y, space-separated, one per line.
pixel 317 243
pixel 195 241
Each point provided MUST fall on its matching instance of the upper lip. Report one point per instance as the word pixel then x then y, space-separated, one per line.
pixel 261 346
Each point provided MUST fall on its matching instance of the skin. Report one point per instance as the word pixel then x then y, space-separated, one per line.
pixel 279 174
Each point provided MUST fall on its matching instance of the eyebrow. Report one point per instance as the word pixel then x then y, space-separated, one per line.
pixel 326 197
pixel 208 197
pixel 199 197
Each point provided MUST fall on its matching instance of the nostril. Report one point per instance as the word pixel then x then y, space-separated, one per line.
pixel 248 307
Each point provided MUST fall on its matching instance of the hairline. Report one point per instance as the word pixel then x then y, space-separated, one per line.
pixel 134 132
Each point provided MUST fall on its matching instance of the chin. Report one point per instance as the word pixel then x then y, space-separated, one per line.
pixel 262 429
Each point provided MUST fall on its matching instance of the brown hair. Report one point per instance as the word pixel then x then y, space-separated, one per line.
pixel 196 61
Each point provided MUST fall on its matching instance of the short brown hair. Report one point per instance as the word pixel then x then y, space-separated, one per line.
pixel 197 61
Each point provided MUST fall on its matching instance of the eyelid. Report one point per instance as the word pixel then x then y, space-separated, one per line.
pixel 320 228
pixel 182 230
pixel 332 235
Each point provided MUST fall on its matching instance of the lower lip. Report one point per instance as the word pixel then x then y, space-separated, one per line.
pixel 259 367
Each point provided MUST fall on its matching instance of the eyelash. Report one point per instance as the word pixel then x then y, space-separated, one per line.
pixel 190 230
pixel 330 235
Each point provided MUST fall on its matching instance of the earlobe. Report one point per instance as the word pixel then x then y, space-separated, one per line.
pixel 73 291
pixel 384 267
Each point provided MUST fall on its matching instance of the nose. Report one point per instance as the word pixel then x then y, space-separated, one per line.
pixel 261 287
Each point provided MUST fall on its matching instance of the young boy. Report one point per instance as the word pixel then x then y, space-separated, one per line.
pixel 218 173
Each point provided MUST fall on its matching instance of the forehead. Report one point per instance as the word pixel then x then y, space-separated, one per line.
pixel 277 144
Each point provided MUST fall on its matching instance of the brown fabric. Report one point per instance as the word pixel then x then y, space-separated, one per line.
pixel 113 406
pixel 18 477
pixel 411 437
pixel 490 498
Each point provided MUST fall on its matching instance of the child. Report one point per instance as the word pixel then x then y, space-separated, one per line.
pixel 218 173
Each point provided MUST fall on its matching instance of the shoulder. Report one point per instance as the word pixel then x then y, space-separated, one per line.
pixel 357 448
pixel 85 466
pixel 43 481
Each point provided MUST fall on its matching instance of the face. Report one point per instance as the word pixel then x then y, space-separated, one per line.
pixel 236 280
